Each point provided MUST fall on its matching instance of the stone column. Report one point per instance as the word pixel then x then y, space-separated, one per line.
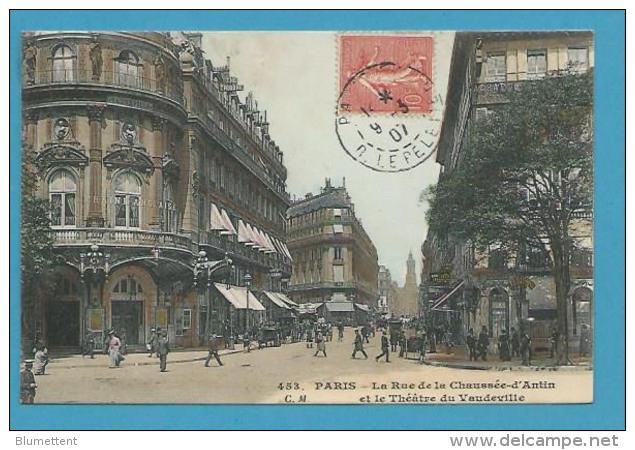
pixel 30 129
pixel 156 181
pixel 95 207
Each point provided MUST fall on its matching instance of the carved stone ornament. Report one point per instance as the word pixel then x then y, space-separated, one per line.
pixel 96 60
pixel 170 166
pixel 61 154
pixel 129 157
pixel 61 129
pixel 128 133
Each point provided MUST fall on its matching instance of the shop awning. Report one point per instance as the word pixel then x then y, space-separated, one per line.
pixel 237 296
pixel 243 234
pixel 445 297
pixel 229 227
pixel 216 222
pixel 253 236
pixel 364 308
pixel 339 306
pixel 276 300
pixel 287 300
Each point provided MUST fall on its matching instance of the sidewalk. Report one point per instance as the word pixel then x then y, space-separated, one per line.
pixel 458 359
pixel 137 359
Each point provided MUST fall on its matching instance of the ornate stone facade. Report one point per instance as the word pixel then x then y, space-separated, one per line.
pixel 137 145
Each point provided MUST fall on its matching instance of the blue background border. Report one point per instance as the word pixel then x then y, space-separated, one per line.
pixel 608 409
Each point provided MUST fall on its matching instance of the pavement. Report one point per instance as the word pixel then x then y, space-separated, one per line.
pixel 289 374
pixel 458 359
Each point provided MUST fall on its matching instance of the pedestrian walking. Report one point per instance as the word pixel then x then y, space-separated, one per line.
pixel 385 348
pixel 403 343
pixel 106 344
pixel 41 360
pixel 123 338
pixel 555 339
pixel 585 340
pixel 163 348
pixel 358 345
pixel 89 346
pixel 321 344
pixel 366 333
pixel 525 349
pixel 151 346
pixel 422 345
pixel 483 343
pixel 470 341
pixel 340 331
pixel 114 344
pixel 503 346
pixel 309 337
pixel 213 345
pixel 515 341
pixel 27 383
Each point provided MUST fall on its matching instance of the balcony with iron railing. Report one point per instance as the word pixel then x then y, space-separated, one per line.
pixel 120 238
pixel 136 82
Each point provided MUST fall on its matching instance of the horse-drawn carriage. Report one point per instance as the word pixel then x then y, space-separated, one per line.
pixel 269 336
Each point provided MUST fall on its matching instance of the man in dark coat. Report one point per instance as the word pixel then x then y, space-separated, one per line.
pixel 470 340
pixel 163 348
pixel 515 340
pixel 525 349
pixel 483 343
pixel 385 348
pixel 89 346
pixel 503 346
pixel 213 343
pixel 555 339
pixel 27 383
pixel 152 343
pixel 402 343
pixel 358 345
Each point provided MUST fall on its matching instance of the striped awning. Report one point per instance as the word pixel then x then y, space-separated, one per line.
pixel 239 297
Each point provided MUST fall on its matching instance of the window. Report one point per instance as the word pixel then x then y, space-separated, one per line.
pixel 337 252
pixel 187 319
pixel 496 67
pixel 62 194
pixel 128 285
pixel 337 212
pixel 338 274
pixel 577 58
pixel 536 64
pixel 169 209
pixel 483 113
pixel 128 69
pixel 127 200
pixel 63 62
pixel 338 228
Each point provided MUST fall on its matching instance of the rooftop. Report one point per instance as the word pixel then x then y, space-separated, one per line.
pixel 330 197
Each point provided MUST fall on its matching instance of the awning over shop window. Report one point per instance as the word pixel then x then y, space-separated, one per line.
pixel 276 300
pixel 237 296
pixel 445 297
pixel 364 308
pixel 216 219
pixel 339 306
pixel 229 226
pixel 287 300
pixel 243 234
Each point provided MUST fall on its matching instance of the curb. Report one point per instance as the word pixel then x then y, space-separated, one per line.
pixel 509 368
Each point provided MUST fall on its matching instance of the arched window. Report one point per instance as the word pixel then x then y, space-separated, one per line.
pixel 499 311
pixel 62 193
pixel 127 199
pixel 128 285
pixel 63 64
pixel 128 69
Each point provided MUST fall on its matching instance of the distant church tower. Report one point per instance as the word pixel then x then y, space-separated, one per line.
pixel 411 274
pixel 406 297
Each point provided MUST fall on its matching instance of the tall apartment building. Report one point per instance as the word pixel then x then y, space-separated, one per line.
pixel 468 290
pixel 332 253
pixel 149 157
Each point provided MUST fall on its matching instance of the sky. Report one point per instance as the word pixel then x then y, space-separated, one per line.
pixel 293 75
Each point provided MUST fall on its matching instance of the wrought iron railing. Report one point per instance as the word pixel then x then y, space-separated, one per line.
pixel 166 88
pixel 69 236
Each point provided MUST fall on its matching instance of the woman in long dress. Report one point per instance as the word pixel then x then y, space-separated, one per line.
pixel 113 350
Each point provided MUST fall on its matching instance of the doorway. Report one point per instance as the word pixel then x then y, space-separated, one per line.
pixel 127 319
pixel 63 324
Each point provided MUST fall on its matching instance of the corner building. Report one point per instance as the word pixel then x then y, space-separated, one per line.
pixel 332 253
pixel 148 157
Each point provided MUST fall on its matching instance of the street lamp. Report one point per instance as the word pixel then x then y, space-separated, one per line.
pixel 247 280
pixel 96 262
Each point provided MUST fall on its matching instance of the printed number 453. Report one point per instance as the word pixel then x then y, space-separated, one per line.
pixel 289 386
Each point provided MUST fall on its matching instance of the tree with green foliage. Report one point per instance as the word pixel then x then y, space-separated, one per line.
pixel 35 241
pixel 524 177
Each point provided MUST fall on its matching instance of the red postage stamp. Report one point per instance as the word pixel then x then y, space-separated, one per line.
pixel 385 74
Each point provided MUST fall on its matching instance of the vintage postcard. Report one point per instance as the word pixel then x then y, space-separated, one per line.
pixel 334 217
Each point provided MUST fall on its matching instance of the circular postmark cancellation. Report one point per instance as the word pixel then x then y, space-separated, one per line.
pixel 388 117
